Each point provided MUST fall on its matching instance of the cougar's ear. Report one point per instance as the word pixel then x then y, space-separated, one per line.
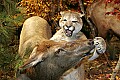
pixel 34 58
pixel 62 12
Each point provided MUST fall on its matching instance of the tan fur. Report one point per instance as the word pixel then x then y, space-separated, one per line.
pixel 70 21
pixel 73 21
pixel 34 31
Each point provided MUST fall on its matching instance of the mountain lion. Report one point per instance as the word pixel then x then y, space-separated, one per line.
pixel 71 24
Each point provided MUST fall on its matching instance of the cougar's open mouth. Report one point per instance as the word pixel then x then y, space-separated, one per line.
pixel 68 32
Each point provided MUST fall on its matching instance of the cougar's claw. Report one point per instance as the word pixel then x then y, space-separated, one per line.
pixel 100 47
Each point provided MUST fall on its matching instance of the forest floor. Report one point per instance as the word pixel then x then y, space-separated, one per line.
pixel 99 69
pixel 102 67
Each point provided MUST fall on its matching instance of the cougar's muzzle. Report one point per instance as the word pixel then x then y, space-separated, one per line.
pixel 68 30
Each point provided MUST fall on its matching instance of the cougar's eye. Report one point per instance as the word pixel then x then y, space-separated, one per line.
pixel 74 21
pixel 64 19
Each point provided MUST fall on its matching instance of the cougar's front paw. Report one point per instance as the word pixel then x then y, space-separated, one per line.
pixel 100 47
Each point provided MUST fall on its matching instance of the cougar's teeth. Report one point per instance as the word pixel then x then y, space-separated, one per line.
pixel 68 33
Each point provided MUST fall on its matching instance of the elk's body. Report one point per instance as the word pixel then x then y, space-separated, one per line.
pixel 34 31
pixel 106 16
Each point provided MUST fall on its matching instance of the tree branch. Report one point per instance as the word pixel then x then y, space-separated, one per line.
pixel 115 71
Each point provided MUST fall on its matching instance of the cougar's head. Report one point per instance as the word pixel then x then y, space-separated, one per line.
pixel 71 22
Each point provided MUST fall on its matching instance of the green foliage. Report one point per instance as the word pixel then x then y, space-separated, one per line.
pixel 10 20
pixel 7 38
pixel 8 6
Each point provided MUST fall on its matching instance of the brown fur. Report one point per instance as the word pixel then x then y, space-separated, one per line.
pixel 58 58
pixel 103 21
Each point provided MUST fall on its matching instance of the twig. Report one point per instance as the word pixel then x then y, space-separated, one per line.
pixel 106 57
pixel 93 28
pixel 82 6
pixel 115 71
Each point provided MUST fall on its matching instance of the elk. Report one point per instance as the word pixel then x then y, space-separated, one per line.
pixel 34 31
pixel 54 60
pixel 105 14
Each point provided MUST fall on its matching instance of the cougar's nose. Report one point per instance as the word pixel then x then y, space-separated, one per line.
pixel 68 26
